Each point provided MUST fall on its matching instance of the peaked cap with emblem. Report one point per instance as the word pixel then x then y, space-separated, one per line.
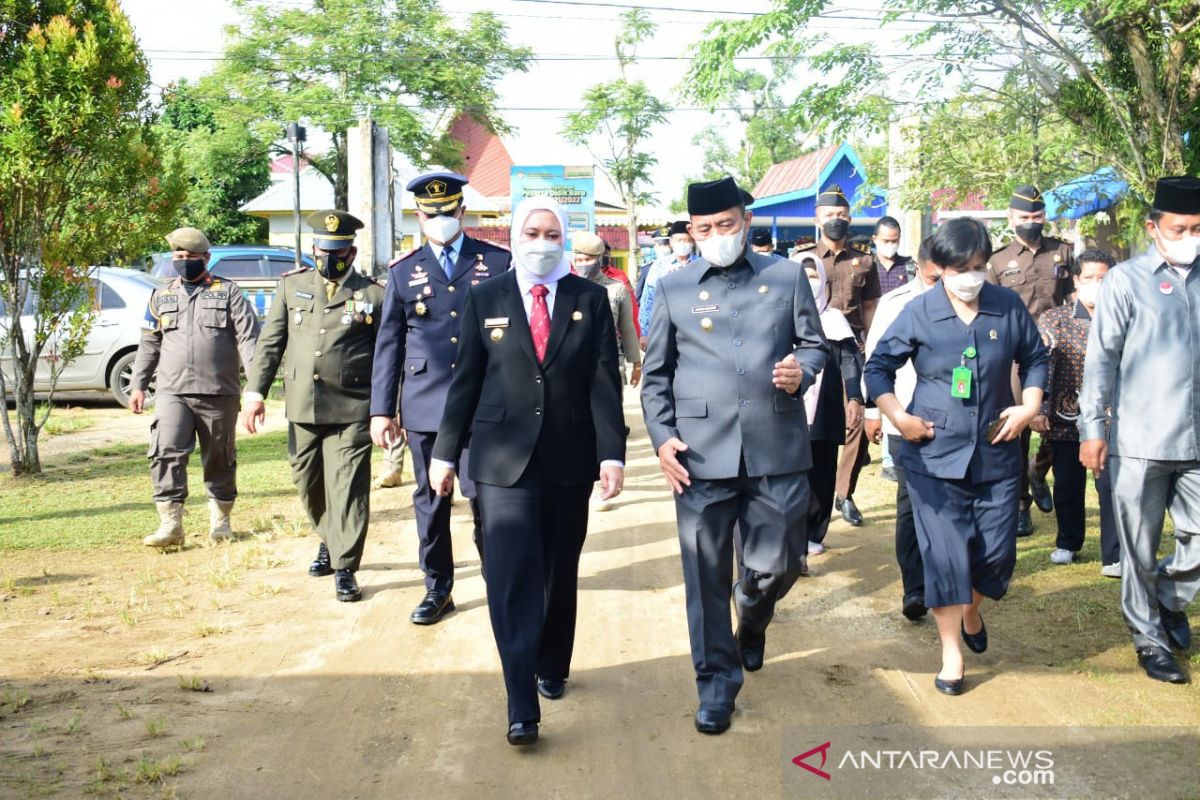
pixel 438 192
pixel 1027 197
pixel 333 229
pixel 833 196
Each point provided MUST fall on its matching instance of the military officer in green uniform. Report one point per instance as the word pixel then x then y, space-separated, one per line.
pixel 198 331
pixel 1038 268
pixel 322 329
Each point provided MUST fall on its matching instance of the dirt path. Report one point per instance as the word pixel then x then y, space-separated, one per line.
pixel 233 661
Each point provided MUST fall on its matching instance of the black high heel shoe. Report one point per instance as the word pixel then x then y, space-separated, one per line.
pixel 976 642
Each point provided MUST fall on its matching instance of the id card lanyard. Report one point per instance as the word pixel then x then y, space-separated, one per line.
pixel 960 379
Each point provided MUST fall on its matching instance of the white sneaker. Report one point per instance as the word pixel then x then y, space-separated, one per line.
pixel 1061 556
pixel 1111 570
pixel 815 548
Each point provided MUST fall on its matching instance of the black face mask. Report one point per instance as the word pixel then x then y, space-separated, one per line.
pixel 190 269
pixel 836 229
pixel 332 267
pixel 1031 231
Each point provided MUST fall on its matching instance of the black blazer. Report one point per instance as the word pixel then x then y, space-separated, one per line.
pixel 566 410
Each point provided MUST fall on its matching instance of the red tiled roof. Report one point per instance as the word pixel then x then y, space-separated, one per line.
pixel 791 176
pixel 486 161
pixel 283 165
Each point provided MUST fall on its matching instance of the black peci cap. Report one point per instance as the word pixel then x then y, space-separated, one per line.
pixel 1177 195
pixel 713 197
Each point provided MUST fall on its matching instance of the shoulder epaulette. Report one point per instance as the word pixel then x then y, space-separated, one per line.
pixel 297 271
pixel 809 246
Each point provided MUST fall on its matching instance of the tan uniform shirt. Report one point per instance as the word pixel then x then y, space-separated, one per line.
pixel 1041 277
pixel 853 279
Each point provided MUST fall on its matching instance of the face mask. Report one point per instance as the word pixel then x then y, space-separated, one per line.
pixel 888 250
pixel 681 250
pixel 818 288
pixel 190 269
pixel 441 228
pixel 1088 293
pixel 332 267
pixel 1180 252
pixel 966 286
pixel 663 250
pixel 836 229
pixel 540 256
pixel 587 270
pixel 721 250
pixel 1031 231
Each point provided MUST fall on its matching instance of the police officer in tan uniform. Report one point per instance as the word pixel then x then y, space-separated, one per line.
pixel 1038 268
pixel 322 329
pixel 199 329
pixel 853 290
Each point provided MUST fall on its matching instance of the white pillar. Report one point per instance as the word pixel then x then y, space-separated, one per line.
pixel 369 174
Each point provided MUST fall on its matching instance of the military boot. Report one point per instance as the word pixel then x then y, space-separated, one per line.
pixel 170 526
pixel 219 528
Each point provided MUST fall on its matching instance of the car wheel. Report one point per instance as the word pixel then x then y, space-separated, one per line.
pixel 120 378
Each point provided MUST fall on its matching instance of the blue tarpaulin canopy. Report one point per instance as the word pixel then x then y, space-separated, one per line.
pixel 1085 195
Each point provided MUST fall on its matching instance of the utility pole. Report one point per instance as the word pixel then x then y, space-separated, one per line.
pixel 296 134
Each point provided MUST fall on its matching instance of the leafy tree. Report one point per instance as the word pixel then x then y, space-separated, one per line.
pixel 405 62
pixel 224 162
pixel 79 182
pixel 1124 76
pixel 616 120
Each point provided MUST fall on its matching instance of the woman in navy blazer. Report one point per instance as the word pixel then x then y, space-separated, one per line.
pixel 963 337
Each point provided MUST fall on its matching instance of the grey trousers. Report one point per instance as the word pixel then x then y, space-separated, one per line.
pixel 331 466
pixel 770 514
pixel 393 457
pixel 179 420
pixel 1143 490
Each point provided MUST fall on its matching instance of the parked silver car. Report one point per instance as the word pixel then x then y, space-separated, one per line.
pixel 121 297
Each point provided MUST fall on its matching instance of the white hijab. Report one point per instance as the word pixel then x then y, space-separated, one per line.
pixel 520 215
pixel 833 323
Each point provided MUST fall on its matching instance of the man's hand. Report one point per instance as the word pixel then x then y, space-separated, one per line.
pixel 854 415
pixel 636 376
pixel 788 374
pixel 441 479
pixel 1093 454
pixel 253 415
pixel 913 428
pixel 1040 423
pixel 137 401
pixel 668 461
pixel 384 431
pixel 642 342
pixel 612 479
pixel 874 430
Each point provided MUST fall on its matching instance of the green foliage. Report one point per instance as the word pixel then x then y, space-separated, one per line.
pixel 404 62
pixel 76 146
pixel 224 162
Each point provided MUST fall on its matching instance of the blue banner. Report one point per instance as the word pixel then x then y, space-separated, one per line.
pixel 573 187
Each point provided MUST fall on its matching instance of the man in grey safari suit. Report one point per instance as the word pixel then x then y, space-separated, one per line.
pixel 735 340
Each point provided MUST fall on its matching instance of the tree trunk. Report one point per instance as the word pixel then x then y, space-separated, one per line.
pixel 341 182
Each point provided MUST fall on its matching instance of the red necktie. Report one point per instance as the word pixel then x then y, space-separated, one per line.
pixel 539 321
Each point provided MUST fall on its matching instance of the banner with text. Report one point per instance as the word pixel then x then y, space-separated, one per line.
pixel 573 187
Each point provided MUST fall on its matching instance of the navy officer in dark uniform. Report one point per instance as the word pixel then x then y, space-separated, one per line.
pixel 961 452
pixel 415 357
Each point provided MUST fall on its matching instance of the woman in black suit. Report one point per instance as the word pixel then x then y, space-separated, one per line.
pixel 537 387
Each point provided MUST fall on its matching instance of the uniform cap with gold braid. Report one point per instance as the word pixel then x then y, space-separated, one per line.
pixel 833 196
pixel 192 240
pixel 1027 198
pixel 438 192
pixel 333 229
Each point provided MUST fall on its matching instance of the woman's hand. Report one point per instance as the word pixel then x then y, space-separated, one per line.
pixel 1016 419
pixel 854 415
pixel 913 428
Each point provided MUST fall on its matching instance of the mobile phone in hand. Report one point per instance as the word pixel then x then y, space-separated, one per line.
pixel 994 429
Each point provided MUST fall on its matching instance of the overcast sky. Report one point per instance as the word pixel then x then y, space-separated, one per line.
pixel 166 28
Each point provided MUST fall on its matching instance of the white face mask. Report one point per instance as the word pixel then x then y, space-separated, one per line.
pixel 681 250
pixel 540 256
pixel 818 289
pixel 1088 293
pixel 721 250
pixel 887 250
pixel 663 250
pixel 1180 252
pixel 966 286
pixel 441 229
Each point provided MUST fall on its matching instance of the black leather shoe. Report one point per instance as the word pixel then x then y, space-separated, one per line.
pixel 713 719
pixel 522 733
pixel 976 642
pixel 914 606
pixel 949 687
pixel 753 648
pixel 321 565
pixel 1040 490
pixel 1024 523
pixel 430 610
pixel 850 512
pixel 1175 624
pixel 1160 665
pixel 346 586
pixel 551 688
pixel 889 474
